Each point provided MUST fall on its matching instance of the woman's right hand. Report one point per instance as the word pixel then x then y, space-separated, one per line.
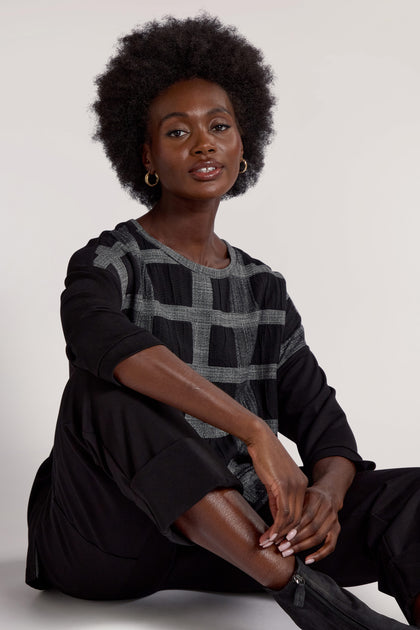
pixel 284 481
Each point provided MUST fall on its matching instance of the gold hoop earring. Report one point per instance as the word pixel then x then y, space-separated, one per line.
pixel 146 179
pixel 244 165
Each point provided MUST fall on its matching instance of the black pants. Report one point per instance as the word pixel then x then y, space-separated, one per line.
pixel 124 467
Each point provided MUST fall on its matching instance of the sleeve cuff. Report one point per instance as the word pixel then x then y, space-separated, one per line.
pixel 339 451
pixel 125 348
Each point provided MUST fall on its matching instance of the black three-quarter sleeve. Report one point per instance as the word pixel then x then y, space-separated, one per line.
pixel 99 335
pixel 309 413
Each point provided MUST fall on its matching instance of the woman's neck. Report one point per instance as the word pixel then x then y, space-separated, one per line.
pixel 188 228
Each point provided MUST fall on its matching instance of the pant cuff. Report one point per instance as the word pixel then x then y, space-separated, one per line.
pixel 177 478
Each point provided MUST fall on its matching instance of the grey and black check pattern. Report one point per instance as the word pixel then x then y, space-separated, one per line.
pixel 228 324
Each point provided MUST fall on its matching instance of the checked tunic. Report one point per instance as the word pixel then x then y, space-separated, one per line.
pixel 236 326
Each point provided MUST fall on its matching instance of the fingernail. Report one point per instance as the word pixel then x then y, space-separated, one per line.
pixel 266 544
pixel 284 546
pixel 287 553
pixel 291 534
pixel 310 561
pixel 273 537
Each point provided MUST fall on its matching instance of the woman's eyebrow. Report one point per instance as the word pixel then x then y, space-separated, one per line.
pixel 173 115
pixel 215 110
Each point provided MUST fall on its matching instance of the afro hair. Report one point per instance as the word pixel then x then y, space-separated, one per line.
pixel 161 53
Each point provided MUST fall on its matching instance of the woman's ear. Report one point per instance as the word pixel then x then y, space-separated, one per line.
pixel 147 158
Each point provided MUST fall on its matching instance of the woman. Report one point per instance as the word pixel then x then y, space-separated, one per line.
pixel 187 356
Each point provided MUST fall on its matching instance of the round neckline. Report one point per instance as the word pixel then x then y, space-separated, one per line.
pixel 186 262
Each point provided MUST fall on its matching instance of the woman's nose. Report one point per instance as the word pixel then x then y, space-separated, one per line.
pixel 204 143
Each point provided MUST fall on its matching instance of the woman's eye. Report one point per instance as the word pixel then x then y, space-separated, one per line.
pixel 176 133
pixel 221 127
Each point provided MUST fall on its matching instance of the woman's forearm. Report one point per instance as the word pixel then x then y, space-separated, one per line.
pixel 334 474
pixel 160 374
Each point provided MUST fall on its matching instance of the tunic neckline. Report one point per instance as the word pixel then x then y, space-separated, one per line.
pixel 186 262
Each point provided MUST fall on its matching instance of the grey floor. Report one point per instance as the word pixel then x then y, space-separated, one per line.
pixel 22 607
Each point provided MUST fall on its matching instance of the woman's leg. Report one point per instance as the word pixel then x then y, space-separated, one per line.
pixel 225 524
pixel 380 536
pixel 124 467
pixel 222 524
pixel 115 452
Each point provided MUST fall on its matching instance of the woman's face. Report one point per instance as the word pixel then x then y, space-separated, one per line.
pixel 194 142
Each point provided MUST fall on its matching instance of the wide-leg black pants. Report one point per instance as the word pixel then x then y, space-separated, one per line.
pixel 124 467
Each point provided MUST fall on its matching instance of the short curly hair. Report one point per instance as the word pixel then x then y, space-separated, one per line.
pixel 161 53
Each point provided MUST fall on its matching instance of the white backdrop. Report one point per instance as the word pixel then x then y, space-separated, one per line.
pixel 336 210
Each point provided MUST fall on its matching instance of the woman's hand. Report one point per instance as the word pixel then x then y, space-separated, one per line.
pixel 284 481
pixel 319 524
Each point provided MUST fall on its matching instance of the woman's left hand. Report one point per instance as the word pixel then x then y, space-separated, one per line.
pixel 319 524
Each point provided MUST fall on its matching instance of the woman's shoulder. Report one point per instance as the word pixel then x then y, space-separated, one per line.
pixel 255 266
pixel 111 247
pixel 267 286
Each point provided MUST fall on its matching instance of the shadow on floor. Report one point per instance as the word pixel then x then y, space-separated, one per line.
pixel 23 608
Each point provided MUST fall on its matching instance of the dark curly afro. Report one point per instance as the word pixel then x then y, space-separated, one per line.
pixel 156 56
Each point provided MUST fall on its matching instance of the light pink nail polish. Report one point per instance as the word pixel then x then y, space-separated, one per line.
pixel 310 561
pixel 287 553
pixel 291 534
pixel 267 543
pixel 273 537
pixel 284 546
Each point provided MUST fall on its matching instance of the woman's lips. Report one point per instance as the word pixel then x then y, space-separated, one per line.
pixel 206 171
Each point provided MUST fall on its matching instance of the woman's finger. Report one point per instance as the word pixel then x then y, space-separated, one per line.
pixel 315 532
pixel 318 514
pixel 324 551
pixel 285 512
pixel 329 541
pixel 282 506
pixel 319 525
pixel 311 505
pixel 306 526
pixel 300 498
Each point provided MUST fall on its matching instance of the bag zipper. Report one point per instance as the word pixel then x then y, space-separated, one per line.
pixel 299 600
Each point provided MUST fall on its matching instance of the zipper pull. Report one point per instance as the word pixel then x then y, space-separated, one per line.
pixel 299 598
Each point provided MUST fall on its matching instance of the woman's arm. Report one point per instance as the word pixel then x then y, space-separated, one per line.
pixel 310 415
pixel 335 476
pixel 158 373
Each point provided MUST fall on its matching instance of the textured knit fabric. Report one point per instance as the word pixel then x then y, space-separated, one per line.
pixel 236 326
